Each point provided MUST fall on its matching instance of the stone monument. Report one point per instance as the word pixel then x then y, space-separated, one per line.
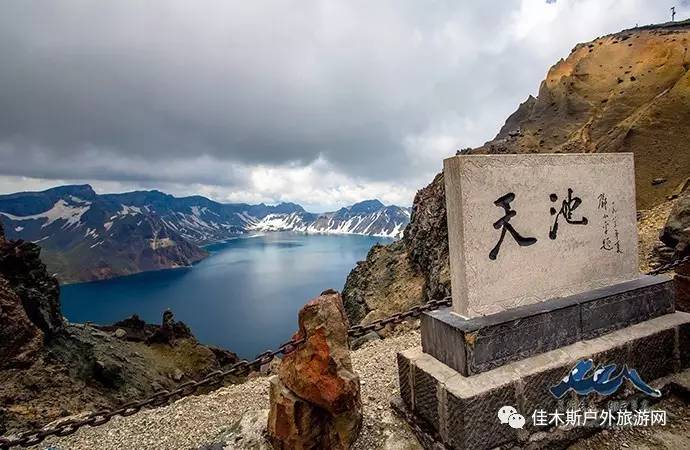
pixel 524 228
pixel 544 275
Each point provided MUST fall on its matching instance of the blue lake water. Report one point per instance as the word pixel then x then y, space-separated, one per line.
pixel 244 297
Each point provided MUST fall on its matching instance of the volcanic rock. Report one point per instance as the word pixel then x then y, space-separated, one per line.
pixel 676 232
pixel 169 331
pixel 360 341
pixel 135 329
pixel 383 284
pixel 581 108
pixel 292 422
pixel 426 239
pixel 120 333
pixel 20 339
pixel 48 366
pixel 22 334
pixel 26 275
pixel 676 235
pixel 316 400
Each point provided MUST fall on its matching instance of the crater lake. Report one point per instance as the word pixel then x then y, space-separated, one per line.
pixel 244 297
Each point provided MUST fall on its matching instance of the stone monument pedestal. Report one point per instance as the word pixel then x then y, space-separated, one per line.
pixel 467 369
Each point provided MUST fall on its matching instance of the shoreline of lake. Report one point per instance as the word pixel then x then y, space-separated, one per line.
pixel 270 277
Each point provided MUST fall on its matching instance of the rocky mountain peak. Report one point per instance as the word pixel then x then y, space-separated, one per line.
pixel 85 236
pixel 287 208
pixel 83 191
pixel 366 206
pixel 625 92
pixel 26 275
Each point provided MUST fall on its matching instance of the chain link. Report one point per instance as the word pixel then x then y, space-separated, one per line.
pixel 159 398
pixel 240 368
pixel 670 266
pixel 361 330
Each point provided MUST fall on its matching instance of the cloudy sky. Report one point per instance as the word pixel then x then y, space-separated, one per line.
pixel 323 103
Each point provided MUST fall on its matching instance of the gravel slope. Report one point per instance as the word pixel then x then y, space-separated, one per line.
pixel 236 416
pixel 196 421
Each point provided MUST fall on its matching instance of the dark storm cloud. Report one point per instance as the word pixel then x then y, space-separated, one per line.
pixel 259 84
pixel 204 91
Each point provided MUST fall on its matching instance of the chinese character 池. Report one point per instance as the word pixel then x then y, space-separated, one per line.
pixel 567 207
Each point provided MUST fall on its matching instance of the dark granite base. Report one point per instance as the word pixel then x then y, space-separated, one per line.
pixel 462 411
pixel 473 346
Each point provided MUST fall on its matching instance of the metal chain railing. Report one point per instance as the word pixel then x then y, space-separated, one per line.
pixel 159 398
pixel 163 397
pixel 670 266
pixel 361 330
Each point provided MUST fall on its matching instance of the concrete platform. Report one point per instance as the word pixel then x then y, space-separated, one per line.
pixel 463 410
pixel 473 346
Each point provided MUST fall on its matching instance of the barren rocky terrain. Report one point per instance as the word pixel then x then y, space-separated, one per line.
pixel 50 368
pixel 624 92
pixel 235 417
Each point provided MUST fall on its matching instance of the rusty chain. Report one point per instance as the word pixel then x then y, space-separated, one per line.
pixel 361 330
pixel 670 266
pixel 240 368
pixel 159 398
pixel 163 397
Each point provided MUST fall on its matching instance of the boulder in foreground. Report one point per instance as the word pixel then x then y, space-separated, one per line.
pixel 316 399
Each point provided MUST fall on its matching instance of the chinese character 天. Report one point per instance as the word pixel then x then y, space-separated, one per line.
pixel 504 225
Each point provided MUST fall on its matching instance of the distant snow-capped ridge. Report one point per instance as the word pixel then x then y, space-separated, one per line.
pixel 385 221
pixel 84 235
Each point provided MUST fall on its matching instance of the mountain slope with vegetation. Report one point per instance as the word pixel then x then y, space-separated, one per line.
pixel 625 92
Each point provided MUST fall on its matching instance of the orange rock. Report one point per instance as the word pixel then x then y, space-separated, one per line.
pixel 316 383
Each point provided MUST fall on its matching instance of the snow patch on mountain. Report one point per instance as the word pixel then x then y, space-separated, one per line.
pixel 387 222
pixel 61 210
pixel 85 231
pixel 128 210
pixel 279 222
pixel 156 243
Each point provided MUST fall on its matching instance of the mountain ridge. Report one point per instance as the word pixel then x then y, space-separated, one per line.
pixel 623 92
pixel 87 236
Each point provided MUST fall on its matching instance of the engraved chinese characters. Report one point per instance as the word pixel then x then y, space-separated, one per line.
pixel 566 211
pixel 569 205
pixel 504 225
pixel 526 228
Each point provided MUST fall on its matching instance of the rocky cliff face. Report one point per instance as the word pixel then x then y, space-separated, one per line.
pixel 626 92
pixel 29 303
pixel 676 237
pixel 49 368
pixel 24 275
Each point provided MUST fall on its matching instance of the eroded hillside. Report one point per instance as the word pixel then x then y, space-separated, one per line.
pixel 625 92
